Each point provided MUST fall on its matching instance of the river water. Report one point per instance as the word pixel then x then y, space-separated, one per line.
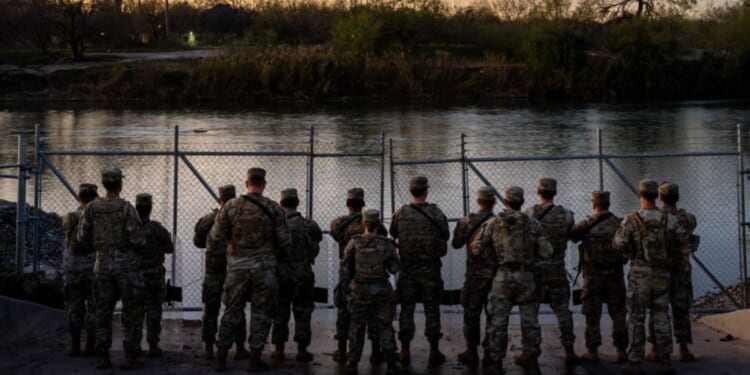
pixel 511 129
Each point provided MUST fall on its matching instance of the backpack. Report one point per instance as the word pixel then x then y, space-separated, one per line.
pixel 368 260
pixel 653 239
pixel 511 235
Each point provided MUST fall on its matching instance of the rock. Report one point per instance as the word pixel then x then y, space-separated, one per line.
pixel 718 300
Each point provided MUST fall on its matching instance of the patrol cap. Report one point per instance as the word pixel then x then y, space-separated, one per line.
pixel 417 183
pixel 256 173
pixel 355 193
pixel 486 193
pixel 227 192
pixel 669 189
pixel 600 197
pixel 143 199
pixel 648 186
pixel 87 188
pixel 514 194
pixel 289 193
pixel 371 215
pixel 547 184
pixel 111 175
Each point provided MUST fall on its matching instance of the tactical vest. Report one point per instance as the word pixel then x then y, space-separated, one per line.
pixel 251 230
pixel 301 249
pixel 419 239
pixel 74 246
pixel 110 220
pixel 511 239
pixel 556 226
pixel 369 260
pixel 153 253
pixel 596 246
pixel 652 241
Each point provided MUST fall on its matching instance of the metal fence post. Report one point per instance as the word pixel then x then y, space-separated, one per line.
pixel 601 161
pixel 742 215
pixel 175 186
pixel 37 193
pixel 464 178
pixel 393 182
pixel 21 206
pixel 382 172
pixel 311 174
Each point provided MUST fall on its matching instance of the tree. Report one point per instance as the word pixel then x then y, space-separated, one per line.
pixel 74 24
pixel 642 8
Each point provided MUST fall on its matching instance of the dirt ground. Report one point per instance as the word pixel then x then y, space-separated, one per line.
pixel 47 354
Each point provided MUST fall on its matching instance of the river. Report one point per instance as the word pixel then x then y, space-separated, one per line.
pixel 510 129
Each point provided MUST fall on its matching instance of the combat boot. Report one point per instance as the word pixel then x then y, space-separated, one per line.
pixel 90 348
pixel 436 358
pixel 278 353
pixel 653 355
pixel 394 368
pixel 469 357
pixel 340 354
pixel 592 355
pixel 102 362
pixel 75 343
pixel 209 352
pixel 571 359
pixel 632 368
pixel 622 356
pixel 256 364
pixel 377 355
pixel 530 364
pixel 351 367
pixel 240 352
pixel 221 359
pixel 405 355
pixel 493 367
pixel 522 360
pixel 302 354
pixel 133 360
pixel 487 361
pixel 154 351
pixel 685 355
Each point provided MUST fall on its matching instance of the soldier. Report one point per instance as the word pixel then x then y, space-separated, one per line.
pixel 515 241
pixel 368 259
pixel 342 229
pixel 158 243
pixel 649 238
pixel 296 280
pixel 681 290
pixel 256 231
pixel 79 276
pixel 603 280
pixel 111 225
pixel 551 275
pixel 479 273
pixel 213 280
pixel 422 231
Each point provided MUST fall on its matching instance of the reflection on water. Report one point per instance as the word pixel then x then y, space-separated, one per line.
pixel 513 129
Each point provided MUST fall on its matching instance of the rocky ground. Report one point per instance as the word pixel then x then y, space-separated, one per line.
pixel 718 300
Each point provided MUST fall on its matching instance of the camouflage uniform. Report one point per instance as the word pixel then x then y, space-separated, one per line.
pixel 551 275
pixel 296 279
pixel 112 226
pixel 603 279
pixel 158 243
pixel 479 273
pixel 650 253
pixel 343 229
pixel 368 260
pixel 421 245
pixel 79 276
pixel 256 234
pixel 516 241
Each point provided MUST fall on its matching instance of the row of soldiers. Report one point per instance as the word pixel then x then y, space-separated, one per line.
pixel 262 251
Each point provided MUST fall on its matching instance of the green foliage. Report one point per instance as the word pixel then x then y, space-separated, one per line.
pixel 555 53
pixel 357 33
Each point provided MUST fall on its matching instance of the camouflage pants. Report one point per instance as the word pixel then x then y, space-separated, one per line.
pixel 261 285
pixel 79 300
pixel 513 288
pixel 376 314
pixel 296 291
pixel 552 279
pixel 427 287
pixel 681 299
pixel 598 289
pixel 344 317
pixel 213 285
pixel 110 288
pixel 153 280
pixel 648 288
pixel 474 300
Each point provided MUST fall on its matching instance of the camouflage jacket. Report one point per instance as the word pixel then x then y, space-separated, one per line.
pixel 557 221
pixel 343 228
pixel 513 238
pixel 158 243
pixel 421 241
pixel 629 239
pixel 202 238
pixel 596 253
pixel 368 259
pixel 306 236
pixel 113 228
pixel 681 263
pixel 79 256
pixel 256 234
pixel 467 232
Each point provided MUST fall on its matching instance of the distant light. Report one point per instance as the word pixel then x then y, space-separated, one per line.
pixel 102 33
pixel 191 38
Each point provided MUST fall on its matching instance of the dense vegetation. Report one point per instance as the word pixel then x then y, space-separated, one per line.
pixel 600 49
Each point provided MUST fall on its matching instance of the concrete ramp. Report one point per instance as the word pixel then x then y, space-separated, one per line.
pixel 736 323
pixel 23 322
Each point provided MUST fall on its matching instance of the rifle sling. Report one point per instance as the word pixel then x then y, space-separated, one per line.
pixel 434 223
pixel 268 213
